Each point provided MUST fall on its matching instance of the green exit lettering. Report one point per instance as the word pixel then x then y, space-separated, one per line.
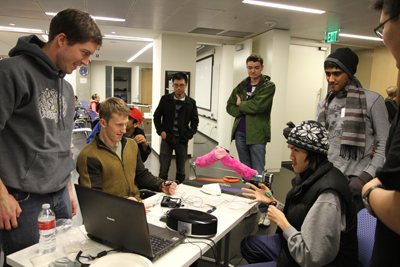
pixel 331 37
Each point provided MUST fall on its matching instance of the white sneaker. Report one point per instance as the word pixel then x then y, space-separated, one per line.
pixel 264 221
pixel 252 211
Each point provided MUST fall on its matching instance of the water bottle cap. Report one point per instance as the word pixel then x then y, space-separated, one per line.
pixel 46 206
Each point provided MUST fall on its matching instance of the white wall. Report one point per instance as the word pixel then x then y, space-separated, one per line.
pixel 71 78
pixel 208 126
pixel 174 53
pixel 306 81
pixel 273 46
pixel 226 85
pixel 239 73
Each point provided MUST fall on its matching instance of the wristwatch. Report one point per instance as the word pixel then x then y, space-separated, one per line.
pixel 366 196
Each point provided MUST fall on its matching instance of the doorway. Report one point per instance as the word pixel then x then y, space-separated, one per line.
pixel 306 83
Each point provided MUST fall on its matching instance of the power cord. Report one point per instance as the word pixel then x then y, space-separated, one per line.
pixel 89 257
pixel 197 242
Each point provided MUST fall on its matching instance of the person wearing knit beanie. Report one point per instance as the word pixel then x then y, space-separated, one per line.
pixel 317 225
pixel 356 118
pixel 346 59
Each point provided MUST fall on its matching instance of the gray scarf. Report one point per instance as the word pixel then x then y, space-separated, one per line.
pixel 353 137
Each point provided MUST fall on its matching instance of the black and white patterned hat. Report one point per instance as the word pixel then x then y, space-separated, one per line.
pixel 311 136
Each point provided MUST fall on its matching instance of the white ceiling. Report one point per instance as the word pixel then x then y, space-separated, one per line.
pixel 150 18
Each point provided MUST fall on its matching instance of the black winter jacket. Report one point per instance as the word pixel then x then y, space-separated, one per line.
pixel 301 198
pixel 188 119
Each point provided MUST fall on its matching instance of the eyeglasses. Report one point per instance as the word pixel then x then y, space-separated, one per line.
pixel 378 30
pixel 179 85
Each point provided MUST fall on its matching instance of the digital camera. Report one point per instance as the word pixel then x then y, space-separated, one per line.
pixel 265 178
pixel 169 202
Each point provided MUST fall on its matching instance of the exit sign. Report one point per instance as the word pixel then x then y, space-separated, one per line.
pixel 332 36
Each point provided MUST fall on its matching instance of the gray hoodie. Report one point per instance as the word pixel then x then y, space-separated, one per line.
pixel 36 118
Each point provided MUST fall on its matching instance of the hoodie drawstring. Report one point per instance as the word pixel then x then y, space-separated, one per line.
pixel 60 106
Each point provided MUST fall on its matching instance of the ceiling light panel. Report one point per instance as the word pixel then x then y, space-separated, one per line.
pixel 140 52
pixel 126 38
pixel 360 37
pixel 281 6
pixel 95 17
pixel 16 29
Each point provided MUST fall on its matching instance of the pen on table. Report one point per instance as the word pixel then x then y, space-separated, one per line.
pixel 213 208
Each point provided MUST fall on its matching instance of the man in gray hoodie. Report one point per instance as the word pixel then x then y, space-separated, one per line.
pixel 36 117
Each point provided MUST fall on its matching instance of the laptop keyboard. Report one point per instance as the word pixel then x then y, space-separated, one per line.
pixel 158 243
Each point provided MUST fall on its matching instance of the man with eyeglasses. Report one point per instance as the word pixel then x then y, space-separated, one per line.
pixel 382 195
pixel 176 121
pixel 357 122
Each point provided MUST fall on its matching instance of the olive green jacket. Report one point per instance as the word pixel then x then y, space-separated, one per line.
pixel 257 110
pixel 101 168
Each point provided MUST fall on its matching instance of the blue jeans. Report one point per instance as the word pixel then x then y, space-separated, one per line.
pixel 252 156
pixel 261 249
pixel 27 233
pixel 166 155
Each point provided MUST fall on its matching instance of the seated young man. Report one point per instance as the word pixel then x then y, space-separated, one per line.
pixel 132 131
pixel 111 162
pixel 317 226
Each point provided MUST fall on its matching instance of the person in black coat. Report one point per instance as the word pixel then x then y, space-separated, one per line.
pixel 390 102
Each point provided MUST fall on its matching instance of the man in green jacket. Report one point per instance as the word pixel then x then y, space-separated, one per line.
pixel 250 103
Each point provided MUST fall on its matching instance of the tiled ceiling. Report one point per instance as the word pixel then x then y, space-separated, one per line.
pixel 230 20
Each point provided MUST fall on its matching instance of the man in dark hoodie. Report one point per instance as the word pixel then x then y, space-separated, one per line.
pixel 35 163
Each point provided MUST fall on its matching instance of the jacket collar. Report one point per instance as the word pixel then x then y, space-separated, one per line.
pixel 308 178
pixel 171 97
pixel 101 143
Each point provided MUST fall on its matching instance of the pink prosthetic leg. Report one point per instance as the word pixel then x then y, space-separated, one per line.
pixel 210 158
pixel 238 167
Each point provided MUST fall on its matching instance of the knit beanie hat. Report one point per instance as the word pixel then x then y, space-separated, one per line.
pixel 311 136
pixel 136 114
pixel 346 59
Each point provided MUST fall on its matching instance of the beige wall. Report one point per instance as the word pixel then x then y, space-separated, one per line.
pixel 377 70
pixel 364 67
pixel 384 72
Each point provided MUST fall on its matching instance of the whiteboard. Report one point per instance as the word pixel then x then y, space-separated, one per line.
pixel 203 92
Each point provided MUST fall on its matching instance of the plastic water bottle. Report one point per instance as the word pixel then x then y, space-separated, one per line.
pixel 47 234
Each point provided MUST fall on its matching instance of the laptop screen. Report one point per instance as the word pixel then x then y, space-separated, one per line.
pixel 119 221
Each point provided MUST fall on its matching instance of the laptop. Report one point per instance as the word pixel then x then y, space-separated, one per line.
pixel 121 223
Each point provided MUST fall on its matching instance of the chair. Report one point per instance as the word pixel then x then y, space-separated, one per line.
pixel 79 126
pixel 366 236
pixel 85 105
pixel 93 117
